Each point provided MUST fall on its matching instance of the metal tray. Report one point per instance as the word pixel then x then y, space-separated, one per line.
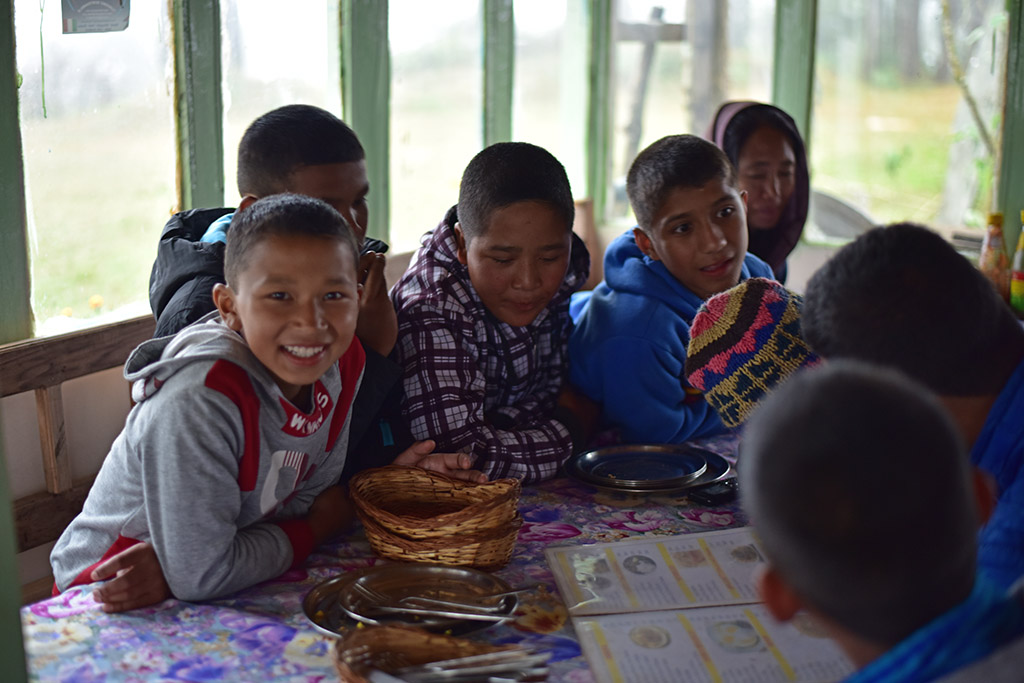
pixel 335 605
pixel 647 468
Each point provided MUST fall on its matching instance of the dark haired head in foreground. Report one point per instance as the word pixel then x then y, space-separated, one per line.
pixel 859 487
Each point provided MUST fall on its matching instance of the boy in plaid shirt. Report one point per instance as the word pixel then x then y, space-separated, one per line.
pixel 483 318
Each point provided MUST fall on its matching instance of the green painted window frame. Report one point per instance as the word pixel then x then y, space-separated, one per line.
pixel 366 92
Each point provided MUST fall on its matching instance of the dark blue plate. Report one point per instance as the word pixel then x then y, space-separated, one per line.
pixel 643 467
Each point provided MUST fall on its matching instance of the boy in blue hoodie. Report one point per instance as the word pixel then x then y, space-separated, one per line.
pixel 628 349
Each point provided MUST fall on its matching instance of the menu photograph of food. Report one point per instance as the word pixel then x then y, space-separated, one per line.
pixel 740 644
pixel 685 608
pixel 688 570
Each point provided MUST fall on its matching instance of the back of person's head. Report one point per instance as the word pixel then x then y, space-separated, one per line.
pixel 750 119
pixel 859 488
pixel 506 173
pixel 675 161
pixel 282 140
pixel 902 296
pixel 282 215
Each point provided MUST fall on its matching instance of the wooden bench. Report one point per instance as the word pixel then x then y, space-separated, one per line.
pixel 42 366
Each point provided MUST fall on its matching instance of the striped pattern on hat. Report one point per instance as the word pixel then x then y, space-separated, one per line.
pixel 743 342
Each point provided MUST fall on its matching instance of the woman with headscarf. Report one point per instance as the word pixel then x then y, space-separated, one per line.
pixel 764 145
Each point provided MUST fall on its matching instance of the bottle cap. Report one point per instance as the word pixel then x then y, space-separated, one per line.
pixel 996 218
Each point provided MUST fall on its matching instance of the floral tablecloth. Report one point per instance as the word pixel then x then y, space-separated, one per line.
pixel 261 634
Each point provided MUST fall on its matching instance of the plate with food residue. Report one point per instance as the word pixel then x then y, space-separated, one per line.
pixel 412 594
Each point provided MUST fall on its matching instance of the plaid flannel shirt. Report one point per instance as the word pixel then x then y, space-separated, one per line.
pixel 473 383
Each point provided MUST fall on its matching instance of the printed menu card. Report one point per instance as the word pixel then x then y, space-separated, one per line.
pixel 685 608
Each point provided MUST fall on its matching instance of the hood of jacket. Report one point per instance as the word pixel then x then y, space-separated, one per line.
pixel 629 270
pixel 155 361
pixel 776 244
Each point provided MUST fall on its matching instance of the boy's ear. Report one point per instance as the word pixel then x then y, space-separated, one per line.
pixel 246 202
pixel 780 600
pixel 460 242
pixel 224 300
pixel 986 493
pixel 644 243
pixel 743 197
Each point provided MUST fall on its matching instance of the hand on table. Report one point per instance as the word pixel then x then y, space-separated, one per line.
pixel 454 465
pixel 136 580
pixel 330 513
pixel 582 407
pixel 377 326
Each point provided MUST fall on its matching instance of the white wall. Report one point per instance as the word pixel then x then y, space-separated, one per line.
pixel 95 408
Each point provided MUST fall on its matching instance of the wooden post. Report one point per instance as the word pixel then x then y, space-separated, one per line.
pixel 366 97
pixel 499 70
pixel 15 309
pixel 198 103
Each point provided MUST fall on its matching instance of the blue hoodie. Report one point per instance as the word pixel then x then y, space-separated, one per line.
pixel 629 346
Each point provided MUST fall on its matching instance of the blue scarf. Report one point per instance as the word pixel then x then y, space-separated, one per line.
pixel 969 632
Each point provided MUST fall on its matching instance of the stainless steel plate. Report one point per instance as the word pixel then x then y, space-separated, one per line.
pixel 647 468
pixel 333 605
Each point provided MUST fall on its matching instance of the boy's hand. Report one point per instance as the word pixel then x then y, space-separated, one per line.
pixel 330 514
pixel 586 411
pixel 138 580
pixel 377 327
pixel 454 465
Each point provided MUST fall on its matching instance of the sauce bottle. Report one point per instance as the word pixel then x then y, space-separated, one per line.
pixel 993 261
pixel 1017 274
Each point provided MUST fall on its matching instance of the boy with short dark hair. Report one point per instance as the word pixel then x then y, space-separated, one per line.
pixel 483 317
pixel 901 296
pixel 229 461
pixel 628 350
pixel 305 150
pixel 859 487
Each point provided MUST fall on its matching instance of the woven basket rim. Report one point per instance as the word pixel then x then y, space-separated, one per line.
pixel 436 525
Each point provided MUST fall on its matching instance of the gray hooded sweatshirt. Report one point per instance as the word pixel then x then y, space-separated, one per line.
pixel 214 467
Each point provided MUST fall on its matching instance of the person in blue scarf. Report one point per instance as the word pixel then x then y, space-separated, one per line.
pixel 903 297
pixel 861 492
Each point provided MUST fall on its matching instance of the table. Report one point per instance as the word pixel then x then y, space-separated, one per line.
pixel 261 634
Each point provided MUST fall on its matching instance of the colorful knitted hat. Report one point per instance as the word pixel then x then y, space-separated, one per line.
pixel 743 342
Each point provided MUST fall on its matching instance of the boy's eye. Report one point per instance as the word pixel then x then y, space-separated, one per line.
pixel 334 296
pixel 278 296
pixel 682 228
pixel 726 211
pixel 502 261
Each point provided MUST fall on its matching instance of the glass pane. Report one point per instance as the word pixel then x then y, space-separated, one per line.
pixel 436 100
pixel 550 90
pixel 99 161
pixel 893 135
pixel 675 63
pixel 275 54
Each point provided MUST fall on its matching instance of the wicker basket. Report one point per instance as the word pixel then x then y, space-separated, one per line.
pixel 374 646
pixel 415 515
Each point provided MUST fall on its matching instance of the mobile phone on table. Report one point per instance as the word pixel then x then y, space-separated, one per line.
pixel 715 493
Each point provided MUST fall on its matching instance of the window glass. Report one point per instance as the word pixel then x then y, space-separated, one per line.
pixel 275 54
pixel 436 100
pixel 674 64
pixel 551 82
pixel 893 136
pixel 97 123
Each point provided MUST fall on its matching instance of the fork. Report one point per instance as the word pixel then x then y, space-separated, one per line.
pixel 384 603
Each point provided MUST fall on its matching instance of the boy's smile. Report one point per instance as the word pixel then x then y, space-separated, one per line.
pixel 700 234
pixel 295 303
pixel 517 265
